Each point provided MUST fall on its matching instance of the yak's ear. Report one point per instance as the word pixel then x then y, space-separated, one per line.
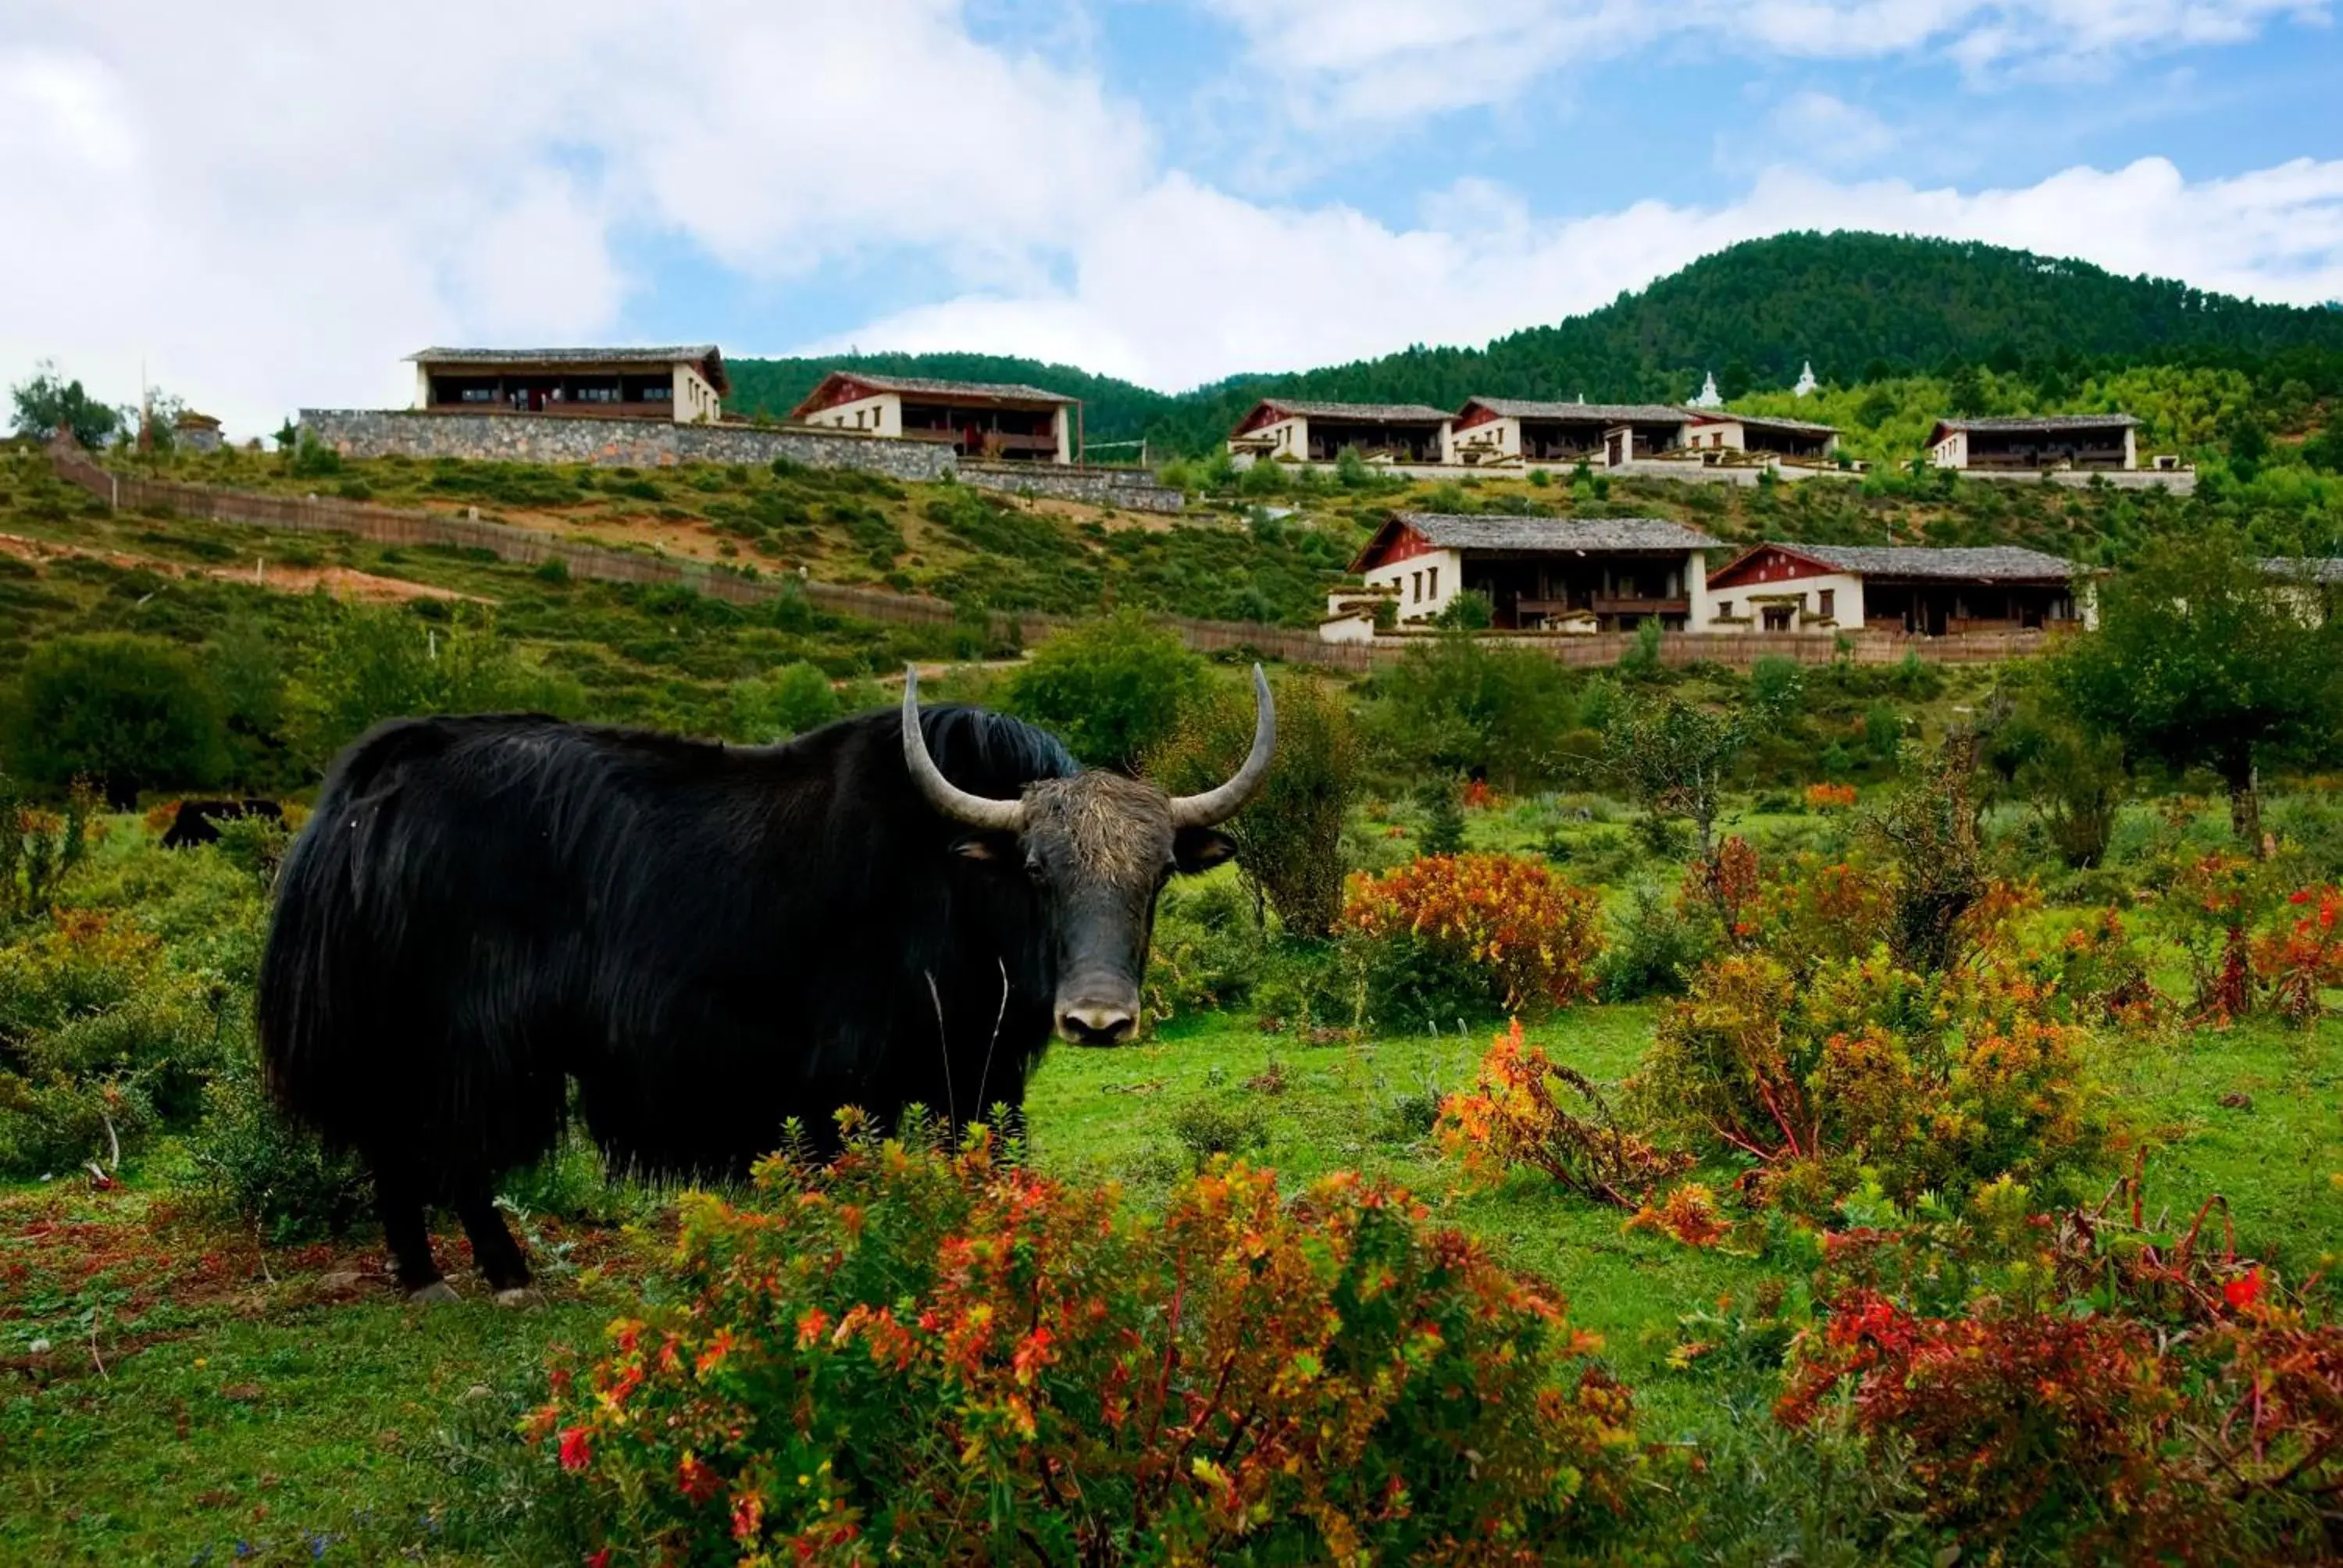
pixel 1195 849
pixel 993 849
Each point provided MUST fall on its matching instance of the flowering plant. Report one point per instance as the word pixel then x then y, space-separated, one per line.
pixel 1533 936
pixel 917 1355
pixel 1514 1115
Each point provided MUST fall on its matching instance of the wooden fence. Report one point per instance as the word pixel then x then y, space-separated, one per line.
pixel 530 546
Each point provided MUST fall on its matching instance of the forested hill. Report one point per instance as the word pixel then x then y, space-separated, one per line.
pixel 1860 307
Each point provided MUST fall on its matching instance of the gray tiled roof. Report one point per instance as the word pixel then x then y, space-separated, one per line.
pixel 2047 424
pixel 1763 421
pixel 1972 563
pixel 1605 413
pixel 941 388
pixel 1385 413
pixel 677 354
pixel 2321 569
pixel 1555 535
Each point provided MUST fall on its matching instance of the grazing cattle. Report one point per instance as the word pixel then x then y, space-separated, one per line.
pixel 197 821
pixel 706 939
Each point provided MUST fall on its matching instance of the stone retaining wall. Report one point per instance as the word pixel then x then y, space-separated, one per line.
pixel 639 443
pixel 1131 489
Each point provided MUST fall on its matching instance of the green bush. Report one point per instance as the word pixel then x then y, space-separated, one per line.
pixel 1655 947
pixel 130 713
pixel 1111 690
pixel 382 662
pixel 1289 839
pixel 1459 707
pixel 783 702
pixel 250 1163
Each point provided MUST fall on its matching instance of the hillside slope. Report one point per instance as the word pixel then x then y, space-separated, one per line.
pixel 1859 306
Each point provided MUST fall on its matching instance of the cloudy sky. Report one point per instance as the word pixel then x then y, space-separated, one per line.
pixel 268 205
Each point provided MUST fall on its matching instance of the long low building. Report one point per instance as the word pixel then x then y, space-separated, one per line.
pixel 1933 592
pixel 1003 422
pixel 1515 432
pixel 684 384
pixel 1291 430
pixel 2033 444
pixel 1541 574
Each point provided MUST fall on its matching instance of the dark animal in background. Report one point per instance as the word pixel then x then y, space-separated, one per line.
pixel 197 821
pixel 708 940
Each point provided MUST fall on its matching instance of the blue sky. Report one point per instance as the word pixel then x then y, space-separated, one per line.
pixel 268 205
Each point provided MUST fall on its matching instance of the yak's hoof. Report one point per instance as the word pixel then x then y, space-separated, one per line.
pixel 520 1296
pixel 437 1291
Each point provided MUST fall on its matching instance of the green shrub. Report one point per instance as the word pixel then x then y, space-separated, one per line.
pixel 1459 707
pixel 905 1354
pixel 1776 685
pixel 1289 839
pixel 1656 948
pixel 1213 1127
pixel 378 662
pixel 1111 690
pixel 783 702
pixel 250 1163
pixel 130 713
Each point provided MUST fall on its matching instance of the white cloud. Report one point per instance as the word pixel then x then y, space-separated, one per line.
pixel 1380 62
pixel 1816 128
pixel 270 203
pixel 1186 284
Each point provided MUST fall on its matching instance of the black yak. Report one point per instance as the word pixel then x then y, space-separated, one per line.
pixel 708 940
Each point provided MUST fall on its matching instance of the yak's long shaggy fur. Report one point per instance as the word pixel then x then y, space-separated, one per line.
pixel 708 939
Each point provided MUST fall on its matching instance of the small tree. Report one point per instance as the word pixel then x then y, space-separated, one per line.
pixel 783 702
pixel 1930 830
pixel 1673 759
pixel 1290 837
pixel 129 712
pixel 2199 663
pixel 48 403
pixel 1111 690
pixel 1460 706
pixel 383 662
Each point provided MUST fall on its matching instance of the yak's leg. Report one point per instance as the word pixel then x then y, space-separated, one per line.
pixel 399 1200
pixel 493 1247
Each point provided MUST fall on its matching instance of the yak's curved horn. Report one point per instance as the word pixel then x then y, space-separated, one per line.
pixel 976 810
pixel 1220 805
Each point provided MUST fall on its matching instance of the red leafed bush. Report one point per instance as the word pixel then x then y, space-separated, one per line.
pixel 1688 1213
pixel 1535 935
pixel 1515 1115
pixel 1829 796
pixel 920 1356
pixel 1480 795
pixel 2304 956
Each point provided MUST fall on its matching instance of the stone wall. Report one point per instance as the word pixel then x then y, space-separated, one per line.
pixel 1131 489
pixel 639 443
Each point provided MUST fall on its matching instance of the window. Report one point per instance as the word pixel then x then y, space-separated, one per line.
pixel 1725 609
pixel 1777 617
pixel 1829 600
pixel 1415 589
pixel 1432 582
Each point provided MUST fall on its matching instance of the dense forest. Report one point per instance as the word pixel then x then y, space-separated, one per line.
pixel 1862 307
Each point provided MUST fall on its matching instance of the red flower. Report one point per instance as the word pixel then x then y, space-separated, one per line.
pixel 2244 1293
pixel 598 1559
pixel 695 1479
pixel 577 1449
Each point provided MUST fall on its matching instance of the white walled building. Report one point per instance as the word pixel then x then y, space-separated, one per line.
pixel 1291 430
pixel 2095 441
pixel 1552 574
pixel 1795 441
pixel 1519 433
pixel 1829 589
pixel 1003 422
pixel 684 384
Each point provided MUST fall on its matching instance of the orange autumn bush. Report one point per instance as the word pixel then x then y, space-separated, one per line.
pixel 1829 796
pixel 918 1355
pixel 1515 1115
pixel 1530 937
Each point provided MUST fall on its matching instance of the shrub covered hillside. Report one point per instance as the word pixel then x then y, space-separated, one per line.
pixel 1863 308
pixel 1838 1114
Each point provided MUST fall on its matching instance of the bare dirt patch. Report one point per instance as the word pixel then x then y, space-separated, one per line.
pixel 342 582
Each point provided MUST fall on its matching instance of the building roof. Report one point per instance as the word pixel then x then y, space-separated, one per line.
pixel 1605 413
pixel 1968 563
pixel 2046 425
pixel 1001 391
pixel 1762 421
pixel 189 419
pixel 2324 570
pixel 1539 536
pixel 1378 413
pixel 703 355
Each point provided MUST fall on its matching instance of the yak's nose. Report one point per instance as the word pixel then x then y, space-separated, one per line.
pixel 1095 1024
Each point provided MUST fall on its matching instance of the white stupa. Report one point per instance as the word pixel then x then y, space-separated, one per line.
pixel 1709 398
pixel 1806 382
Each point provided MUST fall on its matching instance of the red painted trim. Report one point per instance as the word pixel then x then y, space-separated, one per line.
pixel 1263 413
pixel 1395 541
pixel 1476 414
pixel 1771 563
